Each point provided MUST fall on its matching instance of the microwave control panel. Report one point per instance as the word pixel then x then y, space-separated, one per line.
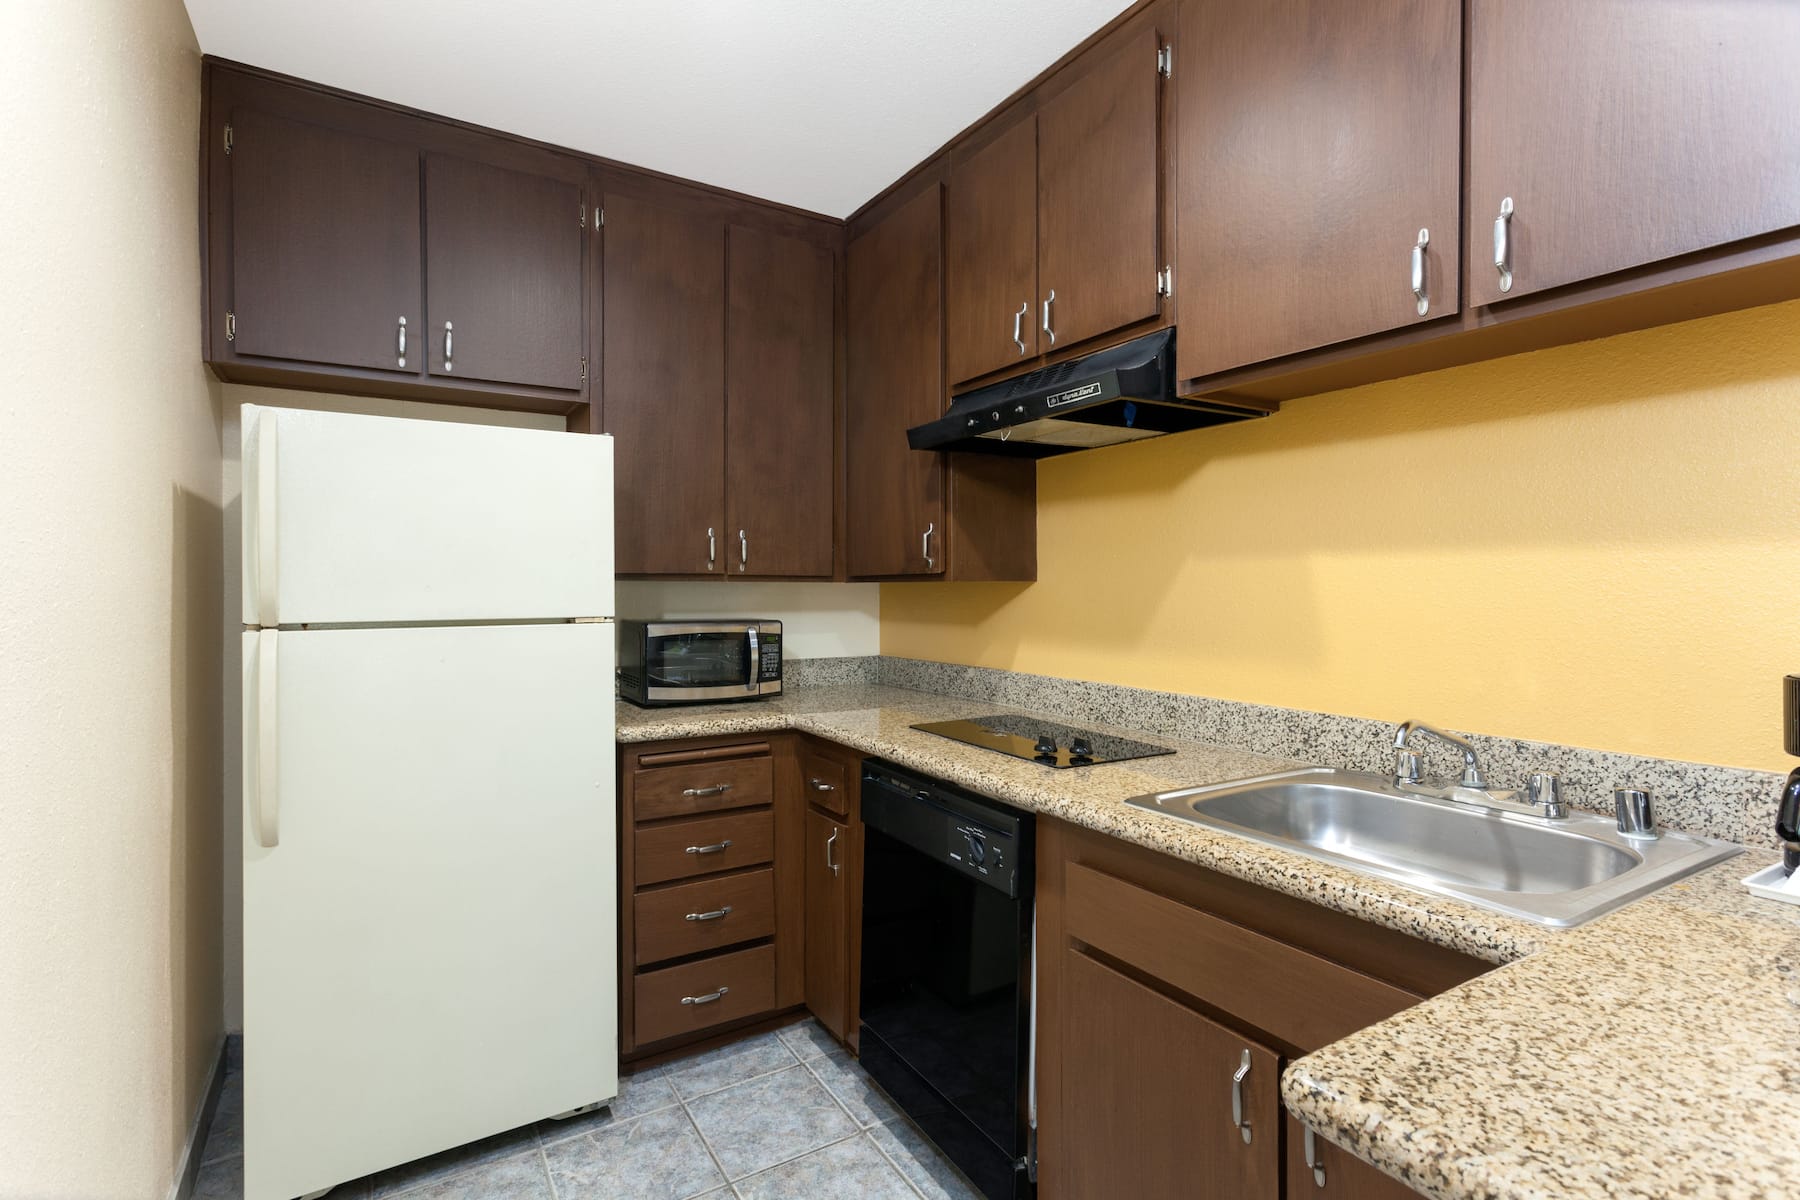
pixel 770 667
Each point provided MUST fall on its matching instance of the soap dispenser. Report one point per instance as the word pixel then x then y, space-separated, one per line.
pixel 1787 814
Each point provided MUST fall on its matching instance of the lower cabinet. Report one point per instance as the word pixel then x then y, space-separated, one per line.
pixel 1169 1000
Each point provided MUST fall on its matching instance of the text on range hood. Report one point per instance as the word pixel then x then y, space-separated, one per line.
pixel 1125 393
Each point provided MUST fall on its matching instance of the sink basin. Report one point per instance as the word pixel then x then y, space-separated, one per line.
pixel 1466 845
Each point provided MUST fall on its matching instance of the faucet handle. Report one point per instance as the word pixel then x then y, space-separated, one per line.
pixel 1406 765
pixel 1635 812
pixel 1544 790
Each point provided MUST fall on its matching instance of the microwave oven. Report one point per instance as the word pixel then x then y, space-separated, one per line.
pixel 698 661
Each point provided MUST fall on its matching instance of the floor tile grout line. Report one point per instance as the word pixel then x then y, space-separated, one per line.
pixel 549 1175
pixel 855 1125
pixel 889 1159
pixel 704 1144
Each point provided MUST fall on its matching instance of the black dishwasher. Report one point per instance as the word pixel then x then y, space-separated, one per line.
pixel 946 969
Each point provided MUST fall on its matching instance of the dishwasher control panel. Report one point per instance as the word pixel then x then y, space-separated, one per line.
pixel 978 837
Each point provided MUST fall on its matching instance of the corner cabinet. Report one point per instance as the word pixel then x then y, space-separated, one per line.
pixel 1053 225
pixel 1171 998
pixel 913 513
pixel 356 248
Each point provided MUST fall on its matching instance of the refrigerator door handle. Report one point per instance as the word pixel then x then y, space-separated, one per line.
pixel 261 746
pixel 267 560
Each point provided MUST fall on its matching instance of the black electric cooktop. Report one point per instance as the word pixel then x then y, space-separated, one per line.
pixel 1041 741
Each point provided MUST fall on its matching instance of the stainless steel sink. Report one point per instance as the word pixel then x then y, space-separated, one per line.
pixel 1472 845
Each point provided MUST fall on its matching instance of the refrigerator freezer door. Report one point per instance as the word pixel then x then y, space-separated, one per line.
pixel 352 519
pixel 430 941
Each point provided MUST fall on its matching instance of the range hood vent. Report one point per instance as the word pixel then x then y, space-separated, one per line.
pixel 1125 393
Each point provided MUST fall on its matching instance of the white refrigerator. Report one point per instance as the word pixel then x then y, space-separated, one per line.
pixel 429 817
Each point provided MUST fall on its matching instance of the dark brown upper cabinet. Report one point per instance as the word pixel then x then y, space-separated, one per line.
pixel 663 385
pixel 1319 169
pixel 504 265
pixel 779 434
pixel 1614 133
pixel 325 266
pixel 990 228
pixel 1052 227
pixel 895 495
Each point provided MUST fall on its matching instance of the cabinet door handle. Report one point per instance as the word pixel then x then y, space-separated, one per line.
pixel 400 342
pixel 715 848
pixel 706 999
pixel 743 551
pixel 831 841
pixel 1313 1160
pixel 712 548
pixel 717 789
pixel 1019 325
pixel 1420 289
pixel 714 915
pixel 449 345
pixel 1503 244
pixel 925 546
pixel 1048 300
pixel 1237 1097
pixel 819 785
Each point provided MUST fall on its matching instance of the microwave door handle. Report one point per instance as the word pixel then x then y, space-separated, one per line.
pixel 750 676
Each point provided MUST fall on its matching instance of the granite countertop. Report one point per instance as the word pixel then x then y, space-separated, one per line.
pixel 1652 1053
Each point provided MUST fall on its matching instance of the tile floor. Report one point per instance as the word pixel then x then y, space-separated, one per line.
pixel 784 1116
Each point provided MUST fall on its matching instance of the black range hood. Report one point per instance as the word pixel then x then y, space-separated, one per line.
pixel 1125 393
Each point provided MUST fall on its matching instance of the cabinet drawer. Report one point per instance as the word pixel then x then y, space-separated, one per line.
pixel 1304 1000
pixel 826 782
pixel 671 922
pixel 697 995
pixel 711 786
pixel 666 852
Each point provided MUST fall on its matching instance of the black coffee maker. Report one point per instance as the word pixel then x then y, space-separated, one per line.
pixel 1787 815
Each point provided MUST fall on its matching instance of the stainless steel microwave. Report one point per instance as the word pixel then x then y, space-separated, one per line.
pixel 698 662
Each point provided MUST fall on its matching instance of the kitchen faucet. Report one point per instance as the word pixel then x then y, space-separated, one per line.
pixel 1406 759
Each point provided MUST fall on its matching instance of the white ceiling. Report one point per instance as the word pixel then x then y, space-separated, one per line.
pixel 814 103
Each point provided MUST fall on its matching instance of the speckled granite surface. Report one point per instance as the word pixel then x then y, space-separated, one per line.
pixel 877 719
pixel 1654 1053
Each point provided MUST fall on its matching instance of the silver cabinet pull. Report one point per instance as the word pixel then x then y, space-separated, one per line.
pixel 1048 300
pixel 717 789
pixel 706 999
pixel 925 546
pixel 819 785
pixel 1421 292
pixel 1503 244
pixel 1237 1096
pixel 743 551
pixel 1313 1160
pixel 1019 325
pixel 715 848
pixel 714 915
pixel 829 843
pixel 712 548
pixel 400 342
pixel 449 345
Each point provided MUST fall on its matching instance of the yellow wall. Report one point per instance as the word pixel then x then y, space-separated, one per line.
pixel 110 606
pixel 1596 545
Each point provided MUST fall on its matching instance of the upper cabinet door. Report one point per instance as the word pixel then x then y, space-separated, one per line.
pixel 664 386
pixel 1098 171
pixel 778 425
pixel 503 254
pixel 990 232
pixel 325 246
pixel 1621 132
pixel 895 495
pixel 1319 163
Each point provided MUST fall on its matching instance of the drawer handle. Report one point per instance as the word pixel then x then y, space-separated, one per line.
pixel 714 915
pixel 715 848
pixel 706 999
pixel 717 789
pixel 1313 1160
pixel 819 785
pixel 831 841
pixel 1237 1097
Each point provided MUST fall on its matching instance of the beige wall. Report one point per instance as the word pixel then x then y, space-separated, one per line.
pixel 109 605
pixel 1594 545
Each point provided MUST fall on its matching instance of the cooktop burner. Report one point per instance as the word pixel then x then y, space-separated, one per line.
pixel 1042 741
